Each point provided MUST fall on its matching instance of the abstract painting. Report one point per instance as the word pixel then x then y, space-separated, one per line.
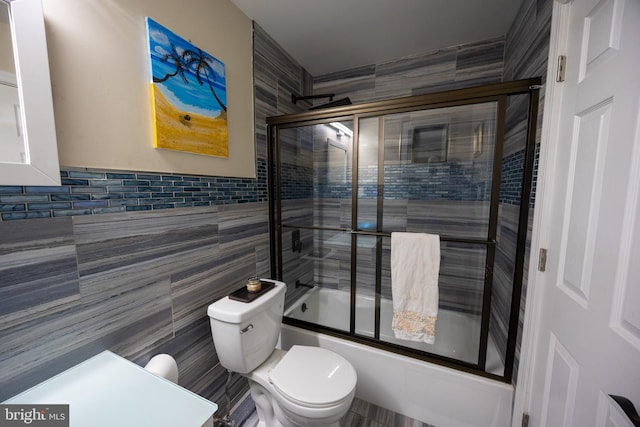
pixel 189 95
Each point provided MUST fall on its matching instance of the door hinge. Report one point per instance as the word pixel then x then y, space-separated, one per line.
pixel 542 260
pixel 525 420
pixel 562 66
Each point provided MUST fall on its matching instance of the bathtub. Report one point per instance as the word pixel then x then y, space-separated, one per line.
pixel 424 391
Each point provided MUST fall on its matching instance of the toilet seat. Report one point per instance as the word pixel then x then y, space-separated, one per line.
pixel 313 377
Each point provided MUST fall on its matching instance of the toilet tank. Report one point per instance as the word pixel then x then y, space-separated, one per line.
pixel 246 333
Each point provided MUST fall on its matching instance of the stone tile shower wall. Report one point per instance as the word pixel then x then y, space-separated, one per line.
pixel 418 198
pixel 276 77
pixel 408 186
pixel 296 192
pixel 455 67
pixel 508 219
pixel 523 52
pixel 526 55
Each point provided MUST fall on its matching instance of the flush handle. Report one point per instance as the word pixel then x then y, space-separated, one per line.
pixel 247 329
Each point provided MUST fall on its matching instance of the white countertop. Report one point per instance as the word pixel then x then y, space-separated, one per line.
pixel 108 390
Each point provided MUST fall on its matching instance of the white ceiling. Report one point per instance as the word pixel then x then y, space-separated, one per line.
pixel 334 35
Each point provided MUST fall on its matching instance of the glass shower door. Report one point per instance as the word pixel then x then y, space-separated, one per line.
pixel 427 171
pixel 315 162
pixel 455 164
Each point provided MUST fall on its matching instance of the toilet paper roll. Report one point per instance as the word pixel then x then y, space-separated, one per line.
pixel 165 366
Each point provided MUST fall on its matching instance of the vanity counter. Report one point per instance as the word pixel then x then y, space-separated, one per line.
pixel 108 390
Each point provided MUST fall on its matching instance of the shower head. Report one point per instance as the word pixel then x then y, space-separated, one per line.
pixel 336 103
pixel 295 98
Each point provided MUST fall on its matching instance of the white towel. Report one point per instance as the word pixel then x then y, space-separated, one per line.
pixel 415 265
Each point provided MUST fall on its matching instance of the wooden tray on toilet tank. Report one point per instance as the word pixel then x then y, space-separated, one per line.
pixel 243 295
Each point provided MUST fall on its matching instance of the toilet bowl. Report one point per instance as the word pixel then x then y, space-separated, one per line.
pixel 305 386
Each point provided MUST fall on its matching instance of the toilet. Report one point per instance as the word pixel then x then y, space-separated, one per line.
pixel 305 386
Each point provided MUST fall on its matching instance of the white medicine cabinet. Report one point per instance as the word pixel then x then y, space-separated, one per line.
pixel 28 149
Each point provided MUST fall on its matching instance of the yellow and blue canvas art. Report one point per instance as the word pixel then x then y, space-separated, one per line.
pixel 189 95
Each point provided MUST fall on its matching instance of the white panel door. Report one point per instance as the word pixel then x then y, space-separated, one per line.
pixel 586 343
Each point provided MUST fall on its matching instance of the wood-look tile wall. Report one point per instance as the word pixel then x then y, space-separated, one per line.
pixel 137 283
pixel 456 67
pixel 521 54
pixel 526 55
pixel 452 68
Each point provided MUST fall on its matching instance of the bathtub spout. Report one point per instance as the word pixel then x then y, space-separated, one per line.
pixel 298 284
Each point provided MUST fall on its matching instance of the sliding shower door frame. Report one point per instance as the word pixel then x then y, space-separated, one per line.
pixel 489 93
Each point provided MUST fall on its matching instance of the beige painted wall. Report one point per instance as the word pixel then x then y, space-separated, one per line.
pixel 100 80
pixel 6 59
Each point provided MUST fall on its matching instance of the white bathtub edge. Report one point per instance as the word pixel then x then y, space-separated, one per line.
pixel 424 391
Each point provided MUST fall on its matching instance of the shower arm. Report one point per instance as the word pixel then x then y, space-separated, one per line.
pixel 295 98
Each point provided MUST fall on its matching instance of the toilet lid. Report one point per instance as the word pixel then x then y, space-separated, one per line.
pixel 313 376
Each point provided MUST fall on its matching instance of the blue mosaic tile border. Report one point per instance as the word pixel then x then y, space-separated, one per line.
pixel 448 181
pixel 442 181
pixel 511 178
pixel 534 183
pixel 296 182
pixel 89 192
